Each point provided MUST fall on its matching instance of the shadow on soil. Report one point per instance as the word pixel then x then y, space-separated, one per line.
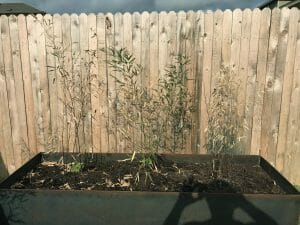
pixel 221 212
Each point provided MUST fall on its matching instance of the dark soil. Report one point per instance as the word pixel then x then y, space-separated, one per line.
pixel 169 176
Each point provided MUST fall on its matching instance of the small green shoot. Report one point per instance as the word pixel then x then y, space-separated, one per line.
pixel 76 167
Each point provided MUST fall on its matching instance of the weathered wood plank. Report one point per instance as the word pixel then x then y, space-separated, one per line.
pixel 251 79
pixel 57 45
pixel 52 81
pixel 206 80
pixel 7 149
pixel 277 87
pixel 32 30
pixel 103 91
pixel 237 18
pixel 287 86
pixel 190 84
pixel 28 92
pixel 242 70
pixel 266 132
pixel 199 52
pixel 181 33
pixel 118 35
pixel 180 50
pixel 85 76
pixel 292 162
pixel 145 49
pixel 67 83
pixel 18 86
pixel 43 78
pixel 226 38
pixel 217 48
pixel 111 85
pixel 153 50
pixel 93 71
pixel 77 139
pixel 15 152
pixel 260 80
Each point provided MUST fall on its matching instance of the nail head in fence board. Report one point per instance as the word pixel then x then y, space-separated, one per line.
pixel 95 112
pixel 11 95
pixel 206 79
pixel 111 84
pixel 35 78
pixel 277 88
pixel 19 91
pixel 282 151
pixel 84 54
pixel 118 18
pixel 199 48
pixel 102 68
pixel 28 92
pixel 44 89
pixel 49 42
pixel 266 132
pixel 243 66
pixel 153 51
pixel 7 146
pixel 260 80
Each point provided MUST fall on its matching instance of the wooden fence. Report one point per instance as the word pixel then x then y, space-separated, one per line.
pixel 262 48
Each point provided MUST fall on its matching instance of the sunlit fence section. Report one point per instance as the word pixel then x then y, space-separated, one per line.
pixel 53 64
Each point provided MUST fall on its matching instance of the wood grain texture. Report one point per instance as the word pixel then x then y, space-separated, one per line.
pixel 266 132
pixel 206 79
pixel 19 87
pixel 259 47
pixel 15 151
pixel 287 88
pixel 260 80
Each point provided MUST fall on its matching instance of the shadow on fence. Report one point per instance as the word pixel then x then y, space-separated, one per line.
pixel 3 169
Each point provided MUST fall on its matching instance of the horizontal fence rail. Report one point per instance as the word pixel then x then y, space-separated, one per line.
pixel 260 47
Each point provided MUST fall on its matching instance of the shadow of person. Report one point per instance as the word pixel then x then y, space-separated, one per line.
pixel 221 209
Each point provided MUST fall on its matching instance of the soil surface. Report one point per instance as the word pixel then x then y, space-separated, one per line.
pixel 168 176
